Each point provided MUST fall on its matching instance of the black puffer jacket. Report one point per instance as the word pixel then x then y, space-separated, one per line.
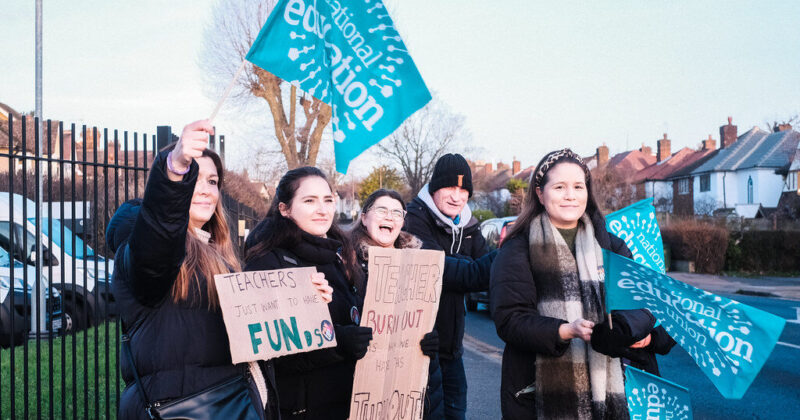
pixel 317 384
pixel 178 348
pixel 434 234
pixel 513 302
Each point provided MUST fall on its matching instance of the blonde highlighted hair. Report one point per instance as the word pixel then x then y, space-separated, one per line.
pixel 205 259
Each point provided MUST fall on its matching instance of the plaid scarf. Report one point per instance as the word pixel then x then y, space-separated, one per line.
pixel 581 383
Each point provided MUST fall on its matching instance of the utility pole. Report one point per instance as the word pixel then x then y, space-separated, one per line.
pixel 38 301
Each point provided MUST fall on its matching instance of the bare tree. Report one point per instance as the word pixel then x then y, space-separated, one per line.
pixel 234 26
pixel 422 139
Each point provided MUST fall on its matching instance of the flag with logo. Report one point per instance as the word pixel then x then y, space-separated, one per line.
pixel 349 55
pixel 728 340
pixel 638 227
pixel 652 397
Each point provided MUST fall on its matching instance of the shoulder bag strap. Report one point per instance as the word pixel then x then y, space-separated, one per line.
pixel 126 346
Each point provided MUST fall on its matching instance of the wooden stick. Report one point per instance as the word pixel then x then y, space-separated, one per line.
pixel 227 92
pixel 610 324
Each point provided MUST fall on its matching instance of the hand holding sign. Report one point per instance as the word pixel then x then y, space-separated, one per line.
pixel 325 290
pixel 273 313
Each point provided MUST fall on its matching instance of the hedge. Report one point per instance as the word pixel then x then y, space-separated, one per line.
pixel 764 251
pixel 701 242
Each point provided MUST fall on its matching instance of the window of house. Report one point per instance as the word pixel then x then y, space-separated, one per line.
pixel 683 186
pixel 705 182
pixel 750 190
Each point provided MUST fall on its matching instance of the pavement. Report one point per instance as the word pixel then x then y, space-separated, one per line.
pixel 780 287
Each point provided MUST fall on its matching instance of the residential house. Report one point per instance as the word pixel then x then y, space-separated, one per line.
pixel 655 178
pixel 742 176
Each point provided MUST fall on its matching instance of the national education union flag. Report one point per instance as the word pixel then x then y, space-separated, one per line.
pixel 638 227
pixel 349 55
pixel 651 397
pixel 729 341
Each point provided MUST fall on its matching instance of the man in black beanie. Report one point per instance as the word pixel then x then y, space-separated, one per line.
pixel 441 218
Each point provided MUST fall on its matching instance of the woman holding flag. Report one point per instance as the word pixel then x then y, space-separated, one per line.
pixel 176 358
pixel 547 295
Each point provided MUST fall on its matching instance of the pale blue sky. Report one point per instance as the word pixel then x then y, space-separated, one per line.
pixel 529 76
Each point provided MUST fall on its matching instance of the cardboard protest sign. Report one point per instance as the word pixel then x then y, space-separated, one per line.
pixel 729 341
pixel 652 397
pixel 638 227
pixel 273 313
pixel 403 293
pixel 349 55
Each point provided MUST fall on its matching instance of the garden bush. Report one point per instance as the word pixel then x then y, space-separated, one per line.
pixel 762 251
pixel 701 242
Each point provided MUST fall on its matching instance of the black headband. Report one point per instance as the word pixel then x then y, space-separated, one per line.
pixel 553 159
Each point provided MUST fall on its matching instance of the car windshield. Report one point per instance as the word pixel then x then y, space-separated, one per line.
pixel 5 260
pixel 66 243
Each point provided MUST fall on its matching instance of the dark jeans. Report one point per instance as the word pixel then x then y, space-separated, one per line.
pixel 454 383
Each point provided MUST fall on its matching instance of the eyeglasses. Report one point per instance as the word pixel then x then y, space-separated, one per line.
pixel 397 214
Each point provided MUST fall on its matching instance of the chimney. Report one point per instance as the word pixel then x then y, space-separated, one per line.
pixel 487 168
pixel 709 144
pixel 727 134
pixel 501 167
pixel 781 127
pixel 516 166
pixel 646 150
pixel 664 149
pixel 602 155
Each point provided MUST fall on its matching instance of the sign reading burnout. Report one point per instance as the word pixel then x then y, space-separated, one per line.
pixel 273 313
pixel 403 292
pixel 349 55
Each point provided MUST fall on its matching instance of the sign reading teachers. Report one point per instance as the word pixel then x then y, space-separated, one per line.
pixel 273 313
pixel 638 227
pixel 400 306
pixel 729 341
pixel 654 398
pixel 349 55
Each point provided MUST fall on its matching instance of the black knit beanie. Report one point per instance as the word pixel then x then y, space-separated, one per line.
pixel 451 170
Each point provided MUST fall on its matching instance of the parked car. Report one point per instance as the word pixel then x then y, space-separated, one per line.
pixel 494 230
pixel 86 288
pixel 22 302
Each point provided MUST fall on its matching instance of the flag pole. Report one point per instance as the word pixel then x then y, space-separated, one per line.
pixel 227 92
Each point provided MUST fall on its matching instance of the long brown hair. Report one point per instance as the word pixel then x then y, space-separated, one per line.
pixel 204 260
pixel 284 233
pixel 533 207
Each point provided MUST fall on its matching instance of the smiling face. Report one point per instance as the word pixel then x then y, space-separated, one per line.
pixel 384 220
pixel 312 207
pixel 450 200
pixel 564 195
pixel 206 193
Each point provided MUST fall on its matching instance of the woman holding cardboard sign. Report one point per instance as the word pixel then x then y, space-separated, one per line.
pixel 176 358
pixel 299 232
pixel 380 224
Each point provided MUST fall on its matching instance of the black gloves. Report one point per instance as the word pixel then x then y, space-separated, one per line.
pixel 430 344
pixel 352 340
pixel 630 326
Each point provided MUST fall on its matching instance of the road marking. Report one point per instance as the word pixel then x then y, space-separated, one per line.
pixel 795 321
pixel 487 351
pixel 794 346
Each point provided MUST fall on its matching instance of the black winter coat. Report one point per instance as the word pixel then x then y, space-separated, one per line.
pixel 316 384
pixel 513 302
pixel 424 224
pixel 178 348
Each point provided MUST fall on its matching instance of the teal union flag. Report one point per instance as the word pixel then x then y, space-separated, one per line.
pixel 729 341
pixel 349 55
pixel 654 398
pixel 638 227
